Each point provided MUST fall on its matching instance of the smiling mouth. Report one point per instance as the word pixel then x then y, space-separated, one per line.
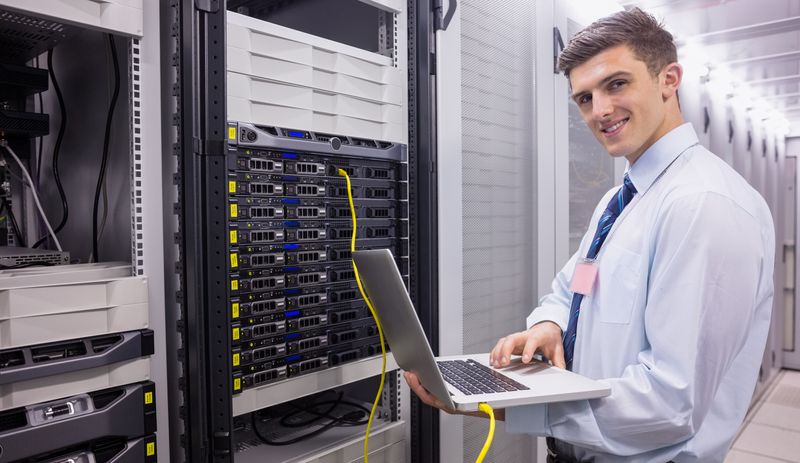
pixel 612 130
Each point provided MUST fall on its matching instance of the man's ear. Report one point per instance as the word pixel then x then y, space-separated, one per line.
pixel 671 77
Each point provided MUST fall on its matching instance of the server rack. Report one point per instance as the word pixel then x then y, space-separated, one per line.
pixel 212 391
pixel 79 341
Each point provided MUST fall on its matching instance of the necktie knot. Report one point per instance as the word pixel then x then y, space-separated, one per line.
pixel 628 185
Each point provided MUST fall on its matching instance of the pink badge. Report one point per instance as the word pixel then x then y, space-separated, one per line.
pixel 584 277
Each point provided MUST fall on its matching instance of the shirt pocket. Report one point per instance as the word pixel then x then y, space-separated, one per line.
pixel 619 284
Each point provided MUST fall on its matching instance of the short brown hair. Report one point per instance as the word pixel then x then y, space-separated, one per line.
pixel 640 31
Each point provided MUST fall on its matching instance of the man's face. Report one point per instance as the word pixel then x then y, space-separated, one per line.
pixel 621 102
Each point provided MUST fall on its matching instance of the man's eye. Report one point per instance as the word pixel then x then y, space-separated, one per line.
pixel 617 84
pixel 583 99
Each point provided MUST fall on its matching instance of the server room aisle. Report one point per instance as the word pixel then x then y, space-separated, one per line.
pixel 771 432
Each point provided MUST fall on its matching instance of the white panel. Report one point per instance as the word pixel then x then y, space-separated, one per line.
pixel 266 67
pixel 545 153
pixel 150 201
pixel 791 356
pixel 54 387
pixel 257 26
pixel 691 98
pixel 742 159
pixel 340 444
pixel 122 16
pixel 292 388
pixel 774 180
pixel 23 331
pixel 720 142
pixel 29 302
pixel 394 5
pixel 279 76
pixel 242 86
pixel 449 152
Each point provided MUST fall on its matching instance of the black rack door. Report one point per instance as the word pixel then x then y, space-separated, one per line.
pixel 196 33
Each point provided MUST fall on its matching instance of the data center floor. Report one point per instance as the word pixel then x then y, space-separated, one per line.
pixel 771 432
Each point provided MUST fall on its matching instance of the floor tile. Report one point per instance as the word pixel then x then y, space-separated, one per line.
pixel 737 456
pixel 790 378
pixel 778 415
pixel 769 441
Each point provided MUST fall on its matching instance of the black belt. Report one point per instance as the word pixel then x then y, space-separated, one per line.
pixel 554 457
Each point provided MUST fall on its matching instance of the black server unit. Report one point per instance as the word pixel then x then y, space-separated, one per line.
pixel 294 304
pixel 48 431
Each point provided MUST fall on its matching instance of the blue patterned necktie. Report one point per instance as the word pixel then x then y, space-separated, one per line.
pixel 613 210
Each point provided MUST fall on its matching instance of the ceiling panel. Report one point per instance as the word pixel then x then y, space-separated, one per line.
pixel 755 44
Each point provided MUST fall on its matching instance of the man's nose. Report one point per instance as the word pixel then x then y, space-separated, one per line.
pixel 602 107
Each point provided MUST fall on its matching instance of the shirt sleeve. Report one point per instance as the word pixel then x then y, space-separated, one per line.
pixel 706 265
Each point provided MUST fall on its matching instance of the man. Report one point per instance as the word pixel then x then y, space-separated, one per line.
pixel 672 306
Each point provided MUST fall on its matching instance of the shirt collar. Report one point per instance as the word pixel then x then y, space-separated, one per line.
pixel 660 155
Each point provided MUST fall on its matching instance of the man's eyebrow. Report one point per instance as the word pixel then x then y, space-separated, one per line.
pixel 605 80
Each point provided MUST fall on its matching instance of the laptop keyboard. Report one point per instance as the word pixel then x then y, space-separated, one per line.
pixel 471 377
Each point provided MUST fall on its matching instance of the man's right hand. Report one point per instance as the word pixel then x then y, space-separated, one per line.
pixel 542 337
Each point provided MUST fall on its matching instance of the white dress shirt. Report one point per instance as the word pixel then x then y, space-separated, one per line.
pixel 678 318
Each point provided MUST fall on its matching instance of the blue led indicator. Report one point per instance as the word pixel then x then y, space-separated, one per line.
pixel 289 178
pixel 292 291
pixel 291 336
pixel 293 313
pixel 290 155
pixel 291 246
pixel 296 134
pixel 291 269
pixel 292 358
pixel 291 201
pixel 291 223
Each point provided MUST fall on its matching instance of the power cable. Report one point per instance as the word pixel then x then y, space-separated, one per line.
pixel 351 418
pixel 378 395
pixel 57 149
pixel 106 139
pixel 41 138
pixel 4 143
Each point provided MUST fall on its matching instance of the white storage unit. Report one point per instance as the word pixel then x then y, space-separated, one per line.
pixel 118 16
pixel 50 304
pixel 279 76
pixel 22 393
pixel 40 314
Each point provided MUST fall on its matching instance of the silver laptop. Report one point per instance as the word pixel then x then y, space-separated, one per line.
pixel 461 381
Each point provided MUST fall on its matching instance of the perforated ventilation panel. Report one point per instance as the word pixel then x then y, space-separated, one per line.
pixel 22 37
pixel 135 118
pixel 497 65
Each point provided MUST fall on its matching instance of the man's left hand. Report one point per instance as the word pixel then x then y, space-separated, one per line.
pixel 426 397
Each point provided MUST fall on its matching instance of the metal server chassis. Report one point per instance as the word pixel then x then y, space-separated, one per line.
pixel 304 313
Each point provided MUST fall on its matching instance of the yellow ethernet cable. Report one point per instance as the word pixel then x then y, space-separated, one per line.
pixel 374 315
pixel 486 408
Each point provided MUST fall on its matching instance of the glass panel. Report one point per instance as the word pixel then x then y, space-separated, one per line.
pixel 591 170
